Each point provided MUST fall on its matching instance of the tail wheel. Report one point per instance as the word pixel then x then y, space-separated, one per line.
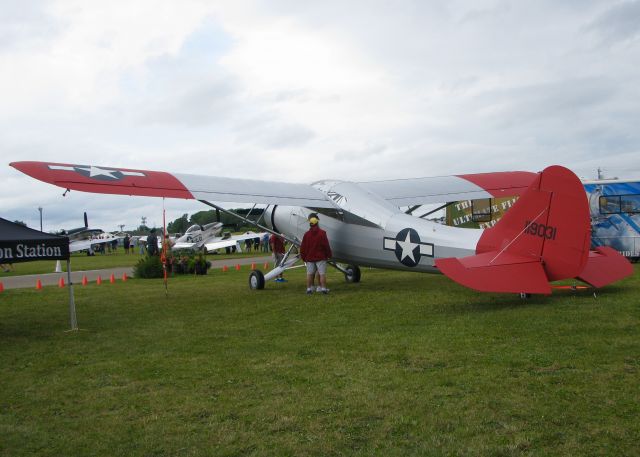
pixel 352 274
pixel 256 280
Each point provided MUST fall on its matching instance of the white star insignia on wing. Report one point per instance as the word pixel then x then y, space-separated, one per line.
pixel 95 171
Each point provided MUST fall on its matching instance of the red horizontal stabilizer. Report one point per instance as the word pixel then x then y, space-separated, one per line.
pixel 490 272
pixel 604 266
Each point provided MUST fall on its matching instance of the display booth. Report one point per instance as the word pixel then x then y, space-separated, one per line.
pixel 22 244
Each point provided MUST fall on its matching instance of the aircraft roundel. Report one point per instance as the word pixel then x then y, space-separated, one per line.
pixel 408 247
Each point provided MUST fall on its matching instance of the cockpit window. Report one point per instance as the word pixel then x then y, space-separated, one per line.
pixel 344 216
pixel 330 212
pixel 193 228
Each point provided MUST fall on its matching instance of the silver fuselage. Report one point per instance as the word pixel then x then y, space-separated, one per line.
pixel 366 230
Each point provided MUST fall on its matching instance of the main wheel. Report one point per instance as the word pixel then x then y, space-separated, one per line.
pixel 352 274
pixel 256 280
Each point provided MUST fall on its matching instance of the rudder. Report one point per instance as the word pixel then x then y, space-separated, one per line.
pixel 549 222
pixel 544 237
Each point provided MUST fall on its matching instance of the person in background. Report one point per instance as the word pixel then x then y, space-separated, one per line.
pixel 315 251
pixel 277 247
pixel 126 243
pixel 152 243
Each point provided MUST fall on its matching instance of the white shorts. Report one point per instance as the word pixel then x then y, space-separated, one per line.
pixel 320 266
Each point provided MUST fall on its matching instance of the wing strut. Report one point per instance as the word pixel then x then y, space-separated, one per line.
pixel 437 209
pixel 250 222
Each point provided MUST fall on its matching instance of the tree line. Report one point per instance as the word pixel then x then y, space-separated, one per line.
pixel 181 224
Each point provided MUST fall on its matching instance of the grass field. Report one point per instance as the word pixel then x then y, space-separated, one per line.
pixel 400 364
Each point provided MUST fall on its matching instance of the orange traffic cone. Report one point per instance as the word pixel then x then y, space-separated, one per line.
pixel 225 268
pixel 266 265
pixel 85 281
pixel 253 266
pixel 238 267
pixel 38 284
pixel 124 276
pixel 112 278
pixel 99 280
pixel 1 287
pixel 61 282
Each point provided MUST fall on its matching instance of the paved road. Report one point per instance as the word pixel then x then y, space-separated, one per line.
pixel 52 279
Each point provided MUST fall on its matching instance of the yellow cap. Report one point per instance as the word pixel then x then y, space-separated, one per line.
pixel 313 220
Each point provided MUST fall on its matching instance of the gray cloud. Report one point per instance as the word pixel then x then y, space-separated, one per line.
pixel 269 132
pixel 437 88
pixel 25 24
pixel 619 23
pixel 195 106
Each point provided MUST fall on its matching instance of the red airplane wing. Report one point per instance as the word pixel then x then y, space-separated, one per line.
pixel 105 180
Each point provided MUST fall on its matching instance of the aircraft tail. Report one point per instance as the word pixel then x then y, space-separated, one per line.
pixel 544 237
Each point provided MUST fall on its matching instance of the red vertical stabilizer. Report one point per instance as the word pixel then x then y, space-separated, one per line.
pixel 544 237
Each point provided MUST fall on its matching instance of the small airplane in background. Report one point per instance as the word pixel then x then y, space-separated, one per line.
pixel 85 238
pixel 210 238
pixel 197 235
pixel 544 237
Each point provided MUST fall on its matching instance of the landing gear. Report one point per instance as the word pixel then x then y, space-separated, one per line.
pixel 352 273
pixel 524 295
pixel 256 280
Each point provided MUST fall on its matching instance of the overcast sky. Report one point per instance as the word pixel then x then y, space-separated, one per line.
pixel 299 91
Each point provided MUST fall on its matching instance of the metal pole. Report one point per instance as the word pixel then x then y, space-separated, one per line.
pixel 40 209
pixel 72 303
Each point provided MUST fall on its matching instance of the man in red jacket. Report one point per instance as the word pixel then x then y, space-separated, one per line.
pixel 315 251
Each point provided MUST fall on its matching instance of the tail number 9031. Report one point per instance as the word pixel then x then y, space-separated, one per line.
pixel 543 231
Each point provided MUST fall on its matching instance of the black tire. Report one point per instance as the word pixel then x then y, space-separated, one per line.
pixel 353 274
pixel 256 280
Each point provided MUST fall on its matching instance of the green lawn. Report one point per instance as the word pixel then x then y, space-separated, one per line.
pixel 400 364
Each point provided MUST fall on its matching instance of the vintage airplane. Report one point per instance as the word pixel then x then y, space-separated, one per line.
pixel 85 238
pixel 197 236
pixel 544 237
pixel 209 237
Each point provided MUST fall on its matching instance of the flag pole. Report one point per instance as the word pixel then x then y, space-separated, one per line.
pixel 164 251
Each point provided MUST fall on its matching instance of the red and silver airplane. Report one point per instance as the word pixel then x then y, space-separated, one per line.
pixel 544 237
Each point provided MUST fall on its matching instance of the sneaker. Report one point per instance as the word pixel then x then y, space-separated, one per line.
pixel 309 291
pixel 325 291
pixel 283 280
pixel 279 280
pixel 318 289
